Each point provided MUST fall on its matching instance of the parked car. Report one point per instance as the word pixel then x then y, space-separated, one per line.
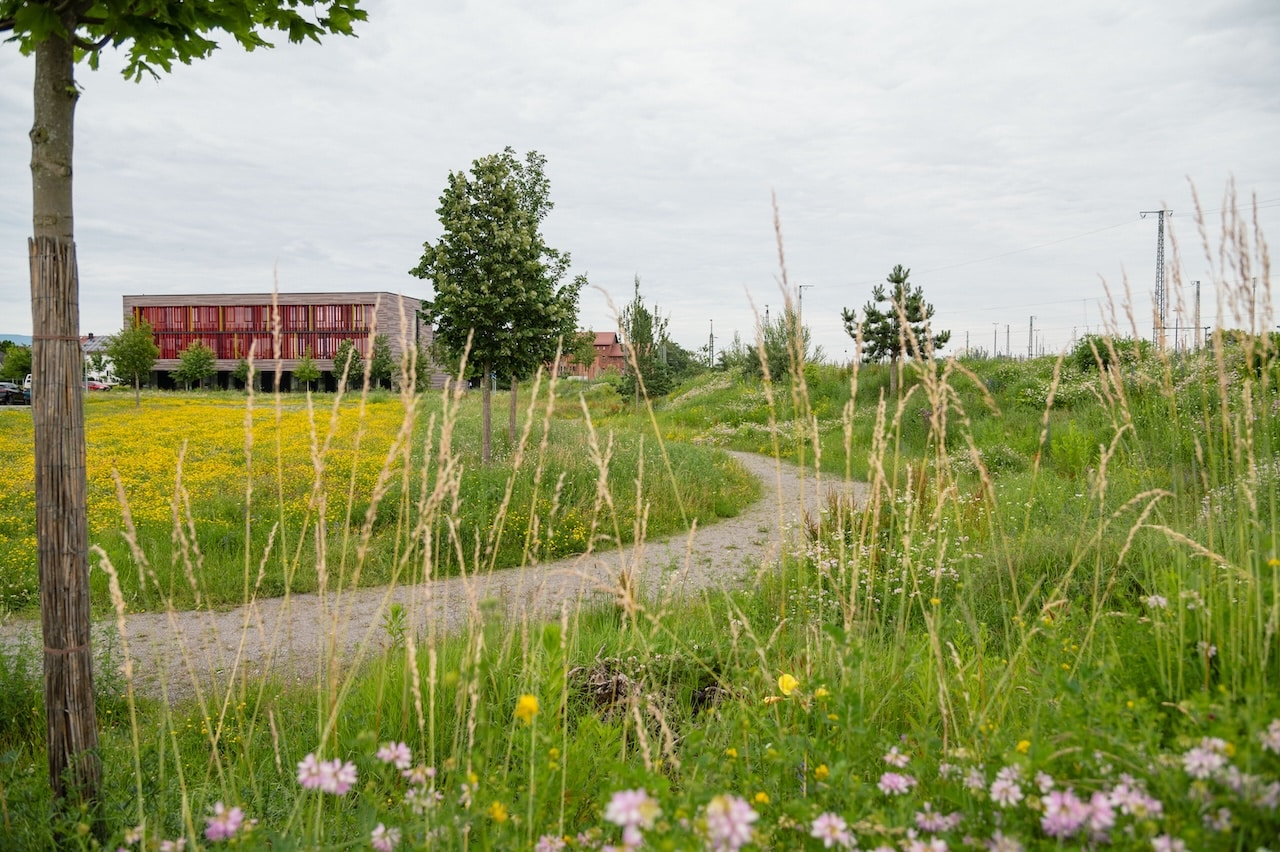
pixel 95 385
pixel 11 394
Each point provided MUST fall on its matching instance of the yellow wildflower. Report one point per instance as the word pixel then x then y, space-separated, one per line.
pixel 787 684
pixel 526 708
pixel 762 798
pixel 821 772
pixel 498 812
pixel 1024 746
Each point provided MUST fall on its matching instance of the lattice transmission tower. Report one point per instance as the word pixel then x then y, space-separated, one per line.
pixel 1161 306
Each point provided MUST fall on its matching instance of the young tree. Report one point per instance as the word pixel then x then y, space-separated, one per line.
pixel 97 362
pixel 195 364
pixel 645 333
pixel 901 328
pixel 134 352
pixel 306 371
pixel 58 33
pixel 497 292
pixel 348 362
pixel 786 344
pixel 382 365
pixel 242 373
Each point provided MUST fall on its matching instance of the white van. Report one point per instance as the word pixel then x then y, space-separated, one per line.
pixel 26 384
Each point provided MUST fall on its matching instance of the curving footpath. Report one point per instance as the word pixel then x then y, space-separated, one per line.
pixel 179 655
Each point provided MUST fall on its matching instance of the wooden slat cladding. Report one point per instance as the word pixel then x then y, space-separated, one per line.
pixel 294 322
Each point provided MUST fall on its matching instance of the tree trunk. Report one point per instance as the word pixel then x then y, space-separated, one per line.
pixel 486 419
pixel 137 392
pixel 58 413
pixel 511 415
pixel 893 377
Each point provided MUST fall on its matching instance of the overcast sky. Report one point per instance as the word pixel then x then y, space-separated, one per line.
pixel 1000 150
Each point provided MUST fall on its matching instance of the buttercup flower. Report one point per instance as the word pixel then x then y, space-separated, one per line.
pixel 787 684
pixel 526 708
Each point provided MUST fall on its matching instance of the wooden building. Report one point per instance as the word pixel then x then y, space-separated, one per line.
pixel 610 354
pixel 278 328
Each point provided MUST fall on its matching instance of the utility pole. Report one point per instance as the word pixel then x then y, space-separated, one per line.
pixel 1008 340
pixel 800 307
pixel 1198 341
pixel 1031 338
pixel 1160 307
pixel 711 343
pixel 995 340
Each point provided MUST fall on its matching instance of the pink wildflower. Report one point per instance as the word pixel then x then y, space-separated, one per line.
pixel 729 821
pixel 632 808
pixel 1202 762
pixel 897 758
pixel 1165 843
pixel 1005 792
pixel 1271 737
pixel 832 830
pixel 550 843
pixel 1102 817
pixel 397 754
pixel 896 784
pixel 384 839
pixel 224 823
pixel 309 772
pixel 1000 843
pixel 1064 814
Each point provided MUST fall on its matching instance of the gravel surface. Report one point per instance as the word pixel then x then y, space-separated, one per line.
pixel 288 637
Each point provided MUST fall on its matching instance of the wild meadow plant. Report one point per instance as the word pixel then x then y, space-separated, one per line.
pixel 1078 650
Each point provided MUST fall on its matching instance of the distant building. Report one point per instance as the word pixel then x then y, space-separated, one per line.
pixel 610 354
pixel 233 324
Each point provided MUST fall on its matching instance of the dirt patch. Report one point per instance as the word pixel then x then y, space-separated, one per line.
pixel 176 653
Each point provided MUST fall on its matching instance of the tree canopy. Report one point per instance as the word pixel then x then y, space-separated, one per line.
pixel 900 328
pixel 195 364
pixel 133 351
pixel 498 297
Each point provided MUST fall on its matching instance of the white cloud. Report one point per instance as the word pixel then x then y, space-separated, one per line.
pixel 915 133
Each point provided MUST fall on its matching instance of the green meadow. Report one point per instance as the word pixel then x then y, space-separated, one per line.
pixel 1051 623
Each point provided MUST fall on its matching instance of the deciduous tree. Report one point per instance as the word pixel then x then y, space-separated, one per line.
pixel 58 33
pixel 134 352
pixel 348 362
pixel 382 365
pixel 306 371
pixel 17 362
pixel 195 364
pixel 900 328
pixel 498 296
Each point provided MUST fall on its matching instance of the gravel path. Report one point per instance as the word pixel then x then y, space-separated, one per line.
pixel 289 637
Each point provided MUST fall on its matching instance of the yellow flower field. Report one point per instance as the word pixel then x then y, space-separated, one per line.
pixel 208 434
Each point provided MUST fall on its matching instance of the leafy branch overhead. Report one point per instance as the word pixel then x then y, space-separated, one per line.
pixel 155 35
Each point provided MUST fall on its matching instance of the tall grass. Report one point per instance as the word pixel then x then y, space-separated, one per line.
pixel 1051 622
